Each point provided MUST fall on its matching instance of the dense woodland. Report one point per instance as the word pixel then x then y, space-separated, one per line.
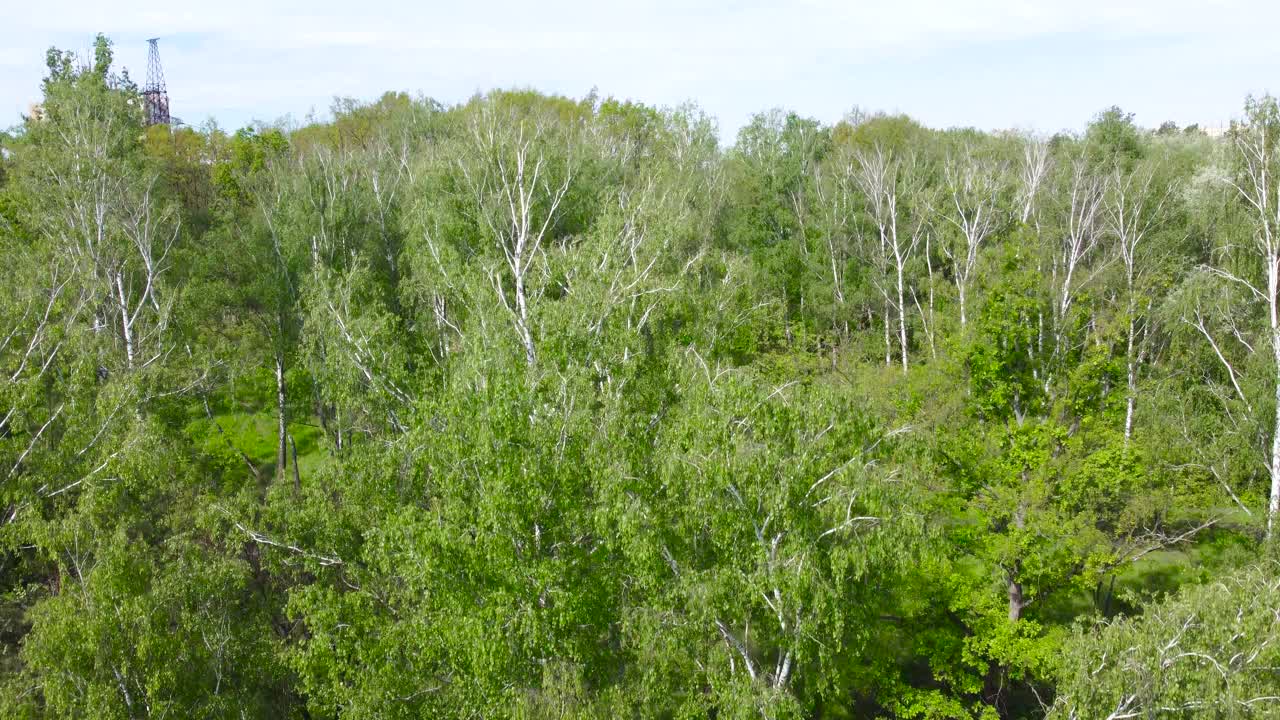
pixel 536 407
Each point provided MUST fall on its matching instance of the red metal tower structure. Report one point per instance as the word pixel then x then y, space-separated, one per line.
pixel 155 96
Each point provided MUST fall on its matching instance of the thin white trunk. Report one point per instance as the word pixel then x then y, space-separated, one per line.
pixel 928 261
pixel 282 421
pixel 888 343
pixel 1132 398
pixel 1133 208
pixel 1273 506
pixel 902 315
pixel 1273 287
pixel 126 323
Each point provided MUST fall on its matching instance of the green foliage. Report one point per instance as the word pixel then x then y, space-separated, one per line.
pixel 1208 651
pixel 1113 139
pixel 540 407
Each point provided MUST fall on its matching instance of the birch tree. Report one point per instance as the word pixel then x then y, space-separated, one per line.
pixel 1204 652
pixel 1135 206
pixel 889 183
pixel 521 172
pixel 1076 252
pixel 1034 168
pixel 1254 141
pixel 834 191
pixel 272 240
pixel 100 206
pixel 973 182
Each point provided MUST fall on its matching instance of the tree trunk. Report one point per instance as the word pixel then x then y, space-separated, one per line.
pixel 1132 398
pixel 888 344
pixel 522 316
pixel 1016 599
pixel 902 316
pixel 297 478
pixel 126 324
pixel 1015 594
pixel 281 419
pixel 1273 507
pixel 1273 296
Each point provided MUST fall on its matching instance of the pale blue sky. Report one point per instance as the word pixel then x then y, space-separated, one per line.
pixel 1045 65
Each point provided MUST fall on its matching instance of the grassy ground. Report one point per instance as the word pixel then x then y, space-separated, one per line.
pixel 254 434
pixel 1159 573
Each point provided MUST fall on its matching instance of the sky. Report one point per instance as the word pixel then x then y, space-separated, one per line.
pixel 1043 65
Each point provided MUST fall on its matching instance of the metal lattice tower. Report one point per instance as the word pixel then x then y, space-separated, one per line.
pixel 154 94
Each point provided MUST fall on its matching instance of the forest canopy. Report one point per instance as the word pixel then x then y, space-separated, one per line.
pixel 541 407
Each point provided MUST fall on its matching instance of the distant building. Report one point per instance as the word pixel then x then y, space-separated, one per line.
pixel 1215 130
